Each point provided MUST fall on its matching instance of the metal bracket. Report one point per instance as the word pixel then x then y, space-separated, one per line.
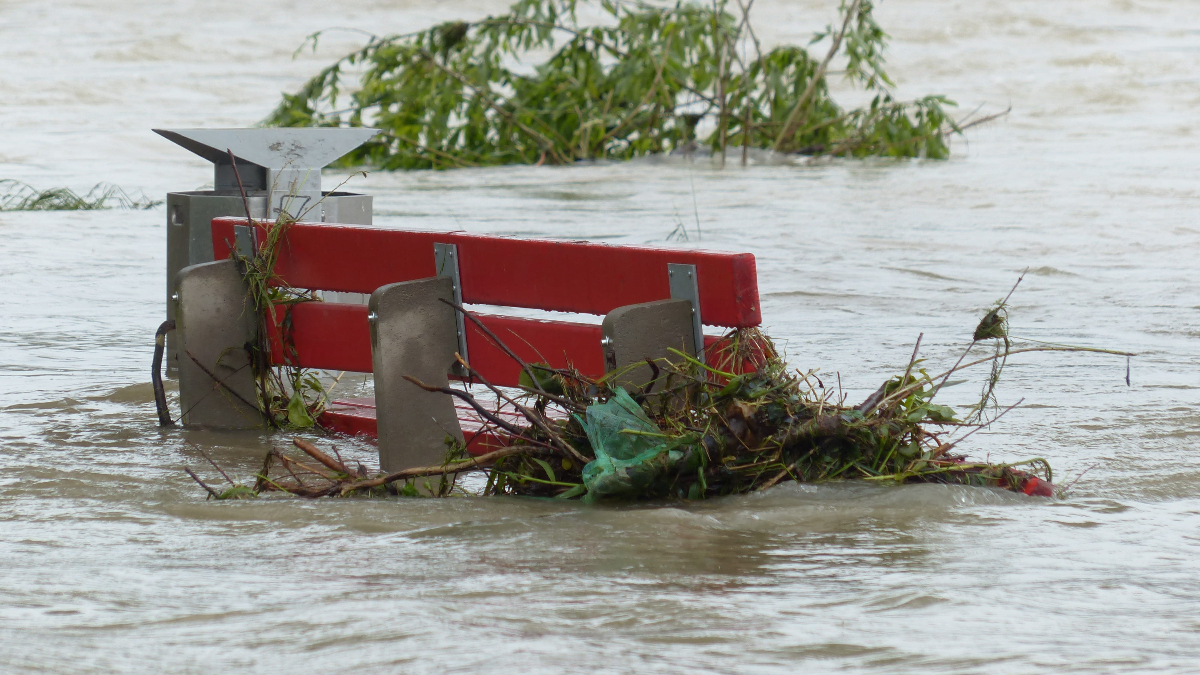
pixel 445 261
pixel 610 355
pixel 294 203
pixel 244 240
pixel 685 286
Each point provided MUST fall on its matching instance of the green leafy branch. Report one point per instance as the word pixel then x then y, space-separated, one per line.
pixel 644 80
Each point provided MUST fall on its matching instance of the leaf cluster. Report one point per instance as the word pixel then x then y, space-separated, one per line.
pixel 642 80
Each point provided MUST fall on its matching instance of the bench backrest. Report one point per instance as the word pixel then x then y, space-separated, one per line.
pixel 567 276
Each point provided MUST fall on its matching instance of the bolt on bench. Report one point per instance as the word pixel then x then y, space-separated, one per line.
pixel 652 300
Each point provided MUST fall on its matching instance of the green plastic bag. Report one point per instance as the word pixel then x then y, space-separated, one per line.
pixel 626 463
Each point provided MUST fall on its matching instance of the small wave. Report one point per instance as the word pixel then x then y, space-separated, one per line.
pixel 1046 271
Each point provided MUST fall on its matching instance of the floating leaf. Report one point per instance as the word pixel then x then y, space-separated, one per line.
pixel 546 467
pixel 238 492
pixel 297 412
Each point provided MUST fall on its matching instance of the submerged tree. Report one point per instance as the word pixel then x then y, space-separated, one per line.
pixel 642 80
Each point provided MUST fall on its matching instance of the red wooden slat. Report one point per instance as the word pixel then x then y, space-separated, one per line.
pixel 552 342
pixel 325 335
pixel 563 276
pixel 334 336
pixel 352 420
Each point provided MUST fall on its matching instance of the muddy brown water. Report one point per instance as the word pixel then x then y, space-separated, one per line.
pixel 111 559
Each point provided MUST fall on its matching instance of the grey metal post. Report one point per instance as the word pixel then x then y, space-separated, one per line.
pixel 215 325
pixel 634 333
pixel 413 333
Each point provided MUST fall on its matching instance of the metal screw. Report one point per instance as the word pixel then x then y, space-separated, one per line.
pixel 606 342
pixel 372 317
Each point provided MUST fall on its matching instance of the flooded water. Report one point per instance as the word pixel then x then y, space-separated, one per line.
pixel 111 559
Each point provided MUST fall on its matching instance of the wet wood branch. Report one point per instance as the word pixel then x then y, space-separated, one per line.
pixel 329 462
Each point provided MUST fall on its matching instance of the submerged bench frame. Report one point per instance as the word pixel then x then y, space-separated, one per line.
pixel 652 299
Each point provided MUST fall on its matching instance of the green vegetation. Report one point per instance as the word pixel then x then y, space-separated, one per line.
pixel 536 85
pixel 290 397
pixel 18 196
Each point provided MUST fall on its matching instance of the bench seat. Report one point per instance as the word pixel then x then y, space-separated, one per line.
pixel 652 300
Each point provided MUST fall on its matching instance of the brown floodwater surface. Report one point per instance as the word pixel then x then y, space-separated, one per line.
pixel 111 560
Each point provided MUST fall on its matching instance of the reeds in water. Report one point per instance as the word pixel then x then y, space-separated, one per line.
pixel 18 196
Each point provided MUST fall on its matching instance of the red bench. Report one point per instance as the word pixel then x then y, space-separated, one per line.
pixel 565 276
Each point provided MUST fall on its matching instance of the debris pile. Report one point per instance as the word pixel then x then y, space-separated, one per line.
pixel 740 423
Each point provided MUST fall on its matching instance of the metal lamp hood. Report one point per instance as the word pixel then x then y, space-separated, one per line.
pixel 284 161
pixel 273 148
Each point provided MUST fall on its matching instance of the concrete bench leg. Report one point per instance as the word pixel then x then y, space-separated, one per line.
pixel 215 325
pixel 413 333
pixel 634 332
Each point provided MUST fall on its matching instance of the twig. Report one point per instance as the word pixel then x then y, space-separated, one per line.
pixel 1064 488
pixel 338 455
pixel 462 164
pixel 474 462
pixel 719 46
pixel 331 463
pixel 786 471
pixel 325 394
pixel 510 428
pixel 794 120
pixel 261 480
pixel 873 400
pixel 211 492
pixel 905 391
pixel 245 202
pixel 530 415
pixel 283 461
pixel 973 340
pixel 210 461
pixel 913 359
pixel 219 382
pixel 946 448
pixel 493 337
pixel 308 467
pixel 654 379
pixel 750 28
pixel 649 93
pixel 1014 288
pixel 959 127
pixel 775 479
pixel 513 355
